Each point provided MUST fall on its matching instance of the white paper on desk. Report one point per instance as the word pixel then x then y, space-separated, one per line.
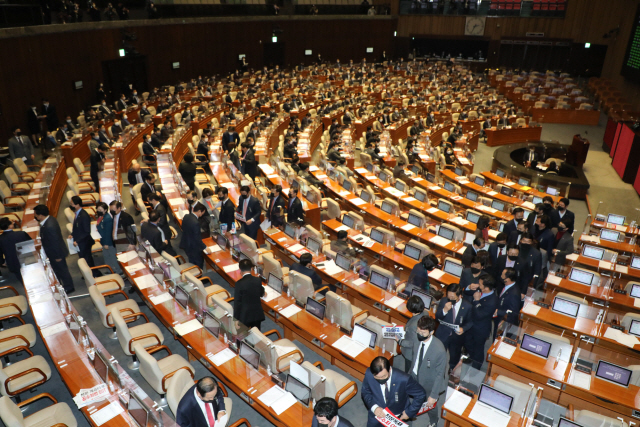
pixel 176 201
pixel 528 205
pixel 460 221
pixel 461 250
pixel 343 193
pixel 636 302
pixel 432 210
pixel 393 302
pixel 145 281
pixel 222 357
pixel 127 256
pixel 348 346
pixel 408 227
pixel 135 267
pixel 436 273
pixel 313 168
pixel 270 294
pixel 107 413
pixel 330 267
pixel 270 396
pixel 358 282
pixel 395 192
pixel 187 327
pixel 290 311
pixel 621 338
pixel 265 225
pixel 28 212
pixel 231 268
pixel 604 264
pixel 531 309
pixel 41 298
pixel 361 170
pixel 553 279
pixel 222 422
pixel 228 185
pixel 409 199
pixel 505 350
pixel 357 201
pixel 440 241
pixel 284 403
pixel 53 329
pixel 593 239
pixel 159 299
pixel 572 257
pixel 213 249
pixel 457 402
pixel 33 196
pixel 31 229
pixel 492 193
pixel 275 176
pixel 485 415
pixel 509 183
pixel 343 227
pixel 580 379
pixel 622 269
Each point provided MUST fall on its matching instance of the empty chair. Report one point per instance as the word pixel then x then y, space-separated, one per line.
pixel 375 269
pixel 15 339
pixel 15 216
pixel 519 391
pixel 274 266
pixel 23 170
pixel 557 342
pixel 336 385
pixel 209 291
pixel 8 199
pixel 23 375
pixel 282 351
pixel 84 187
pixel 58 414
pixel 107 284
pixel 333 209
pixel 87 198
pixel 128 306
pixel 15 183
pixel 593 419
pixel 251 249
pixel 343 313
pixel 148 335
pixel 182 267
pixel 13 307
pixel 301 287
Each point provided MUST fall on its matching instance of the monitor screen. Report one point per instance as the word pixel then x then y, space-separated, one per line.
pixel 479 180
pixel 299 390
pixel 593 252
pixel 419 195
pixel 535 346
pixel 222 241
pixel 415 169
pixel 497 205
pixel 566 423
pixel 211 324
pixel 412 252
pixel 496 399
pixel 443 206
pixel 536 200
pixel 634 328
pixel 635 291
pixel 364 336
pixel 290 230
pixel 473 196
pixel 137 410
pixel 182 296
pixel 386 207
pixel 376 235
pixel 445 232
pixel 414 220
pixel 431 178
pixel 453 268
pixel 400 185
pixel 566 307
pixel 382 176
pixel 500 173
pixel 315 308
pixel 524 182
pixel 449 187
pixel 614 373
pixel 274 282
pixel 635 262
pixel 610 235
pixel 507 191
pixel 249 355
pixel 101 366
pixel 473 217
pixel 343 262
pixel 552 191
pixel 348 221
pixel 425 297
pixel 365 196
pixel 379 280
pixel 581 276
pixel 459 171
pixel 369 167
pixel 313 245
pixel 346 185
pixel 616 219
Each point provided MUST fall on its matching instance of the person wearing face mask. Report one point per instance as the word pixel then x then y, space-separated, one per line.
pixel 191 241
pixel 510 260
pixel 415 306
pixel 202 405
pixel 471 251
pixel 105 111
pixel 248 161
pixel 563 214
pixel 124 221
pixel 563 244
pixel 485 302
pixel 509 301
pixel 203 146
pixel 419 276
pixel 497 248
pixel 522 227
pixel 124 122
pixel 326 414
pixel 144 111
pixel 454 310
pixel 192 199
pixel 470 277
pixel 134 98
pixel 81 233
pixel 70 125
pixel 511 226
pixel 531 261
pixel 545 236
pixel 248 212
pixel 234 156
pixel 116 129
pixel 20 147
pixel 188 171
pixel 277 205
pixel 104 226
pixel 97 164
pixel 48 112
pixel 227 209
pixel 385 387
pixel 295 213
pixel 121 104
pixel 154 141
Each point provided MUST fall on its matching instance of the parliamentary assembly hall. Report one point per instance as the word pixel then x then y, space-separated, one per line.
pixel 319 213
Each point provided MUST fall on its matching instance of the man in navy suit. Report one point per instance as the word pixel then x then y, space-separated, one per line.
pixel 563 214
pixel 498 248
pixel 54 245
pixel 8 240
pixel 453 309
pixel 191 241
pixel 485 303
pixel 81 232
pixel 248 212
pixel 384 387
pixel 202 405
pixel 508 301
pixel 511 226
pixel 326 414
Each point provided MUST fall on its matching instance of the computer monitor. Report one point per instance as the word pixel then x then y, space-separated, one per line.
pixel 222 241
pixel 458 171
pixel 420 196
pixel 364 195
pixel 382 176
pixel 314 245
pixel 552 191
pixel 443 206
pixel 299 390
pixel 535 345
pixel 453 268
pixel 479 181
pixel 524 182
pixel 536 200
pixel 501 226
pixel 431 178
pixel 379 280
pixel 634 328
pixel 101 365
pixel 343 262
pixel 249 355
pixel 473 217
pixel 506 191
pixel 496 399
pixel 414 220
pixel 138 410
pixel 566 307
pixel 497 205
pixel 593 252
pixel 566 423
pixel 635 291
pixel 616 219
pixel 386 207
pixel 364 336
pixel 449 187
pixel 500 173
pixel 211 324
pixel 412 252
pixel 290 230
pixel 182 296
pixel 610 235
pixel 635 262
pixel 423 295
pixel 376 235
pixel 346 184
pixel 316 308
pixel 445 232
pixel 369 167
pixel 472 195
pixel 415 169
pixel 581 276
pixel 274 282
pixel 348 221
pixel 613 373
pixel 400 186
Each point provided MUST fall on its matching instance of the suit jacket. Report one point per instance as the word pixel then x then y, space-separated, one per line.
pixel 188 172
pixel 121 105
pixel 116 131
pixel 53 243
pixel 227 138
pixel 247 307
pixel 105 228
pixel 463 319
pixel 500 266
pixel 133 180
pixel 468 255
pixel 151 232
pixel 20 147
pixel 253 211
pixel 81 230
pixel 52 116
pixel 162 222
pixel 433 374
pixel 249 163
pixel 8 253
pixel 406 394
pixel 510 227
pixel 104 137
pixel 482 315
pixel 227 215
pixel 509 300
pixel 295 213
pixel 275 212
pixel 315 277
pixel 191 240
pixel 189 413
pixel 96 159
pixel 106 111
pixel 568 216
pixel 565 247
pixel 527 157
pixel 126 223
pixel 493 253
pixel 342 422
pixel 531 266
pixel 33 123
pixel 145 190
pixel 546 240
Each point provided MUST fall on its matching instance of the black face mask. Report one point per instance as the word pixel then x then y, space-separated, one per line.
pixel 113 213
pixel 323 425
pixel 18 133
pixel 512 257
pixel 501 245
pixel 561 209
pixel 475 270
pixel 382 382
pixel 422 337
pixel 98 213
pixel 520 232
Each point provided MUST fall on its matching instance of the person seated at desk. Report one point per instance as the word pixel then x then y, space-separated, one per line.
pixel 531 157
pixel 326 414
pixel 504 121
pixel 552 169
pixel 341 244
pixel 419 276
pixel 333 154
pixel 202 405
pixel 398 171
pixel 305 267
pixel 449 156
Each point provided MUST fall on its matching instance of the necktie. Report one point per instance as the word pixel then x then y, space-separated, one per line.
pixel 387 392
pixel 503 291
pixel 210 418
pixel 244 208
pixel 115 227
pixel 453 308
pixel 422 351
pixel 499 251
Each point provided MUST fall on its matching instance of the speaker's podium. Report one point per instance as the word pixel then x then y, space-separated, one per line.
pixel 577 154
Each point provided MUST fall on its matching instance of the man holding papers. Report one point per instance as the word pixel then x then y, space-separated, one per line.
pixel 384 387
pixel 454 314
pixel 248 212
pixel 247 307
pixel 202 405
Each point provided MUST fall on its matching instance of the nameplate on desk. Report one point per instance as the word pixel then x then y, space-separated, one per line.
pixel 231 268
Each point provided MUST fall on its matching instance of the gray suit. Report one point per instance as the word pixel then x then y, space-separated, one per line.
pixel 410 331
pixel 565 247
pixel 20 147
pixel 432 376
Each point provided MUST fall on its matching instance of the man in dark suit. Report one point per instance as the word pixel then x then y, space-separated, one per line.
pixel 103 136
pixel 188 171
pixel 453 310
pixel 63 134
pixel 155 141
pixel 54 245
pixel 563 244
pixel 125 222
pixel 202 405
pixel 20 147
pixel 277 205
pixel 531 262
pixel 136 175
pixel 81 232
pixel 97 164
pixel 514 237
pixel 48 111
pixel 148 187
pixel 471 251
pixel 247 307
pixel 121 104
pixel 153 233
pixel 227 209
pixel 509 300
pixel 8 240
pixel 248 161
pixel 191 241
pixel 504 121
pixel 305 267
pixel 33 123
pixel 497 249
pixel 117 129
pixel 104 110
pixel 156 204
pixel 511 226
pixel 530 157
pixel 510 260
pixel 229 136
pixel 385 387
pixel 326 414
pixel 248 212
pixel 295 213
pixel 485 303
pixel 563 214
pixel 545 237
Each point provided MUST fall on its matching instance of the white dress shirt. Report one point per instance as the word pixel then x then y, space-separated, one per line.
pixel 422 350
pixel 383 389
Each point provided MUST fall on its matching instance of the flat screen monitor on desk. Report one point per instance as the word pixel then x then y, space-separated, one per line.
pixel 412 252
pixel 524 182
pixel 182 296
pixel 449 187
pixel 137 410
pixel 314 245
pixel 346 185
pixel 593 252
pixel 420 196
pixel 499 206
pixel 634 328
pixel 471 195
pixel 444 207
pixel 552 191
pixel 222 241
pixel 566 307
pixel 364 195
pixel 376 235
pixel 414 220
pixel 249 355
pixel 613 373
pixel 290 230
pixel 566 423
pixel 610 235
pixel 386 207
pixel 635 262
pixel 581 276
pixel 635 291
pixel 535 345
pixel 343 262
pixel 415 169
pixel 506 191
pixel 316 308
pixel 479 181
pixel 458 171
pixel 400 186
pixel 298 389
pixel 431 177
pixel 536 200
pixel 425 297
pixel 445 232
pixel 496 399
pixel 379 280
pixel 364 336
pixel 453 268
pixel 472 217
pixel 616 219
pixel 348 221
pixel 382 176
pixel 274 282
pixel 500 173
pixel 211 324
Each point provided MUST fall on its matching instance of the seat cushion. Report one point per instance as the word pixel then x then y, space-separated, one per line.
pixel 121 305
pixel 18 300
pixel 339 381
pixel 16 200
pixel 283 347
pixel 140 330
pixel 172 363
pixel 106 283
pixel 90 197
pixel 27 331
pixel 59 413
pixel 22 366
pixel 22 186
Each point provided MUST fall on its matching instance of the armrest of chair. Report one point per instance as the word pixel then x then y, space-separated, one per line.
pixel 20 375
pixel 169 375
pixel 13 205
pixel 320 290
pixel 284 356
pixel 355 316
pixel 240 422
pixel 124 310
pixel 102 266
pixel 17 218
pixel 102 282
pixel 10 287
pixel 12 316
pixel 344 390
pixel 28 175
pixel 191 268
pixel 16 349
pixel 10 304
pixel 180 259
pixel 108 294
pixel 37 167
pixel 142 337
pixel 18 190
pixel 135 316
pixel 218 292
pixel 35 398
pixel 158 348
pixel 319 364
pixel 273 331
pixel 225 393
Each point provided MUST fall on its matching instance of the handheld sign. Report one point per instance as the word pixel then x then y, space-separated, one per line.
pixel 390 420
pixel 393 332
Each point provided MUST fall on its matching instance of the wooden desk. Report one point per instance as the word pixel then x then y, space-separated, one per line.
pixel 571 116
pixel 627 230
pixel 620 247
pixel 497 137
pixel 517 187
